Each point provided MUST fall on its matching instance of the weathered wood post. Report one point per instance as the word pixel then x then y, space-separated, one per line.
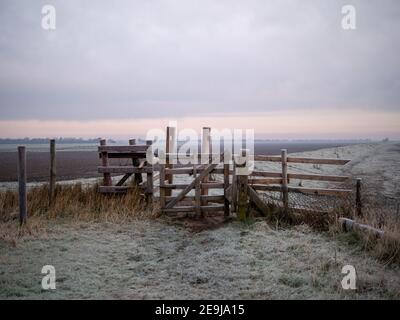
pixel 285 193
pixel 234 188
pixel 226 184
pixel 358 198
pixel 52 182
pixel 162 184
pixel 170 148
pixel 105 163
pixel 242 179
pixel 206 157
pixel 136 162
pixel 197 192
pixel 22 185
pixel 149 180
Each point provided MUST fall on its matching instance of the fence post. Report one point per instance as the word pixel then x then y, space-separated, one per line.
pixel 206 148
pixel 226 186
pixel 162 184
pixel 197 192
pixel 52 184
pixel 136 162
pixel 105 163
pixel 285 194
pixel 170 148
pixel 149 181
pixel 242 179
pixel 234 188
pixel 22 185
pixel 358 198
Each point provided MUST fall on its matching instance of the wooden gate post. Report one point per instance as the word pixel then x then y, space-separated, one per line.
pixel 358 198
pixel 226 186
pixel 105 163
pixel 136 162
pixel 149 181
pixel 52 182
pixel 162 184
pixel 22 185
pixel 170 148
pixel 242 183
pixel 285 193
pixel 206 148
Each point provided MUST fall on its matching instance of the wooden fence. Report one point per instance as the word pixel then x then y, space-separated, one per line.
pixel 137 154
pixel 237 191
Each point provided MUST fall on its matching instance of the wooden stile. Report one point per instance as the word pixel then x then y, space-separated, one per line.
pixel 105 163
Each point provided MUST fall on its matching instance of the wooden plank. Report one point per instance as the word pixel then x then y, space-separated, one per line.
pixel 170 147
pixel 301 160
pixel 226 187
pixel 234 190
pixel 208 208
pixel 105 163
pixel 259 203
pixel 149 179
pixel 318 177
pixel 189 171
pixel 52 182
pixel 138 179
pixel 242 183
pixel 212 208
pixel 206 149
pixel 190 186
pixel 350 225
pixel 285 194
pixel 124 169
pixel 22 197
pixel 162 184
pixel 131 148
pixel 197 192
pixel 219 198
pixel 265 181
pixel 267 158
pixel 310 191
pixel 209 185
pixel 127 155
pixel 179 209
pixel 317 161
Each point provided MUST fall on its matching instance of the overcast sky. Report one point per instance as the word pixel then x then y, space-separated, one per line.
pixel 187 59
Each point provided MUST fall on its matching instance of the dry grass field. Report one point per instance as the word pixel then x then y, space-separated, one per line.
pixel 115 248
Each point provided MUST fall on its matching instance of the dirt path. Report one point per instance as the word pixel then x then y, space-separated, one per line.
pixel 147 260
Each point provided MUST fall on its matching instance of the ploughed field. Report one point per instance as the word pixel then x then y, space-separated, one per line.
pixel 83 164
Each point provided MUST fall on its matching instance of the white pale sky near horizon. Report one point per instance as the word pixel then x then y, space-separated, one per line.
pixel 284 68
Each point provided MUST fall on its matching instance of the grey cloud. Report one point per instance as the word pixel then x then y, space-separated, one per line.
pixel 130 59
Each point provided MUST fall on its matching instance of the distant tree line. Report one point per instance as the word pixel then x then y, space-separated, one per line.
pixel 46 140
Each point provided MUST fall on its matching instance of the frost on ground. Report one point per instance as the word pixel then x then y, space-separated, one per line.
pixel 155 260
pixel 150 259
